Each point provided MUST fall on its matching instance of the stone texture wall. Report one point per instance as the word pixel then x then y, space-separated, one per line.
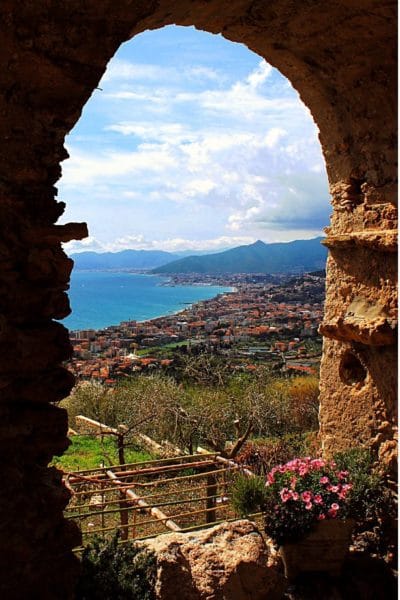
pixel 340 55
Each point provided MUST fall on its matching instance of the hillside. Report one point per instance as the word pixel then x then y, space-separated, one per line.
pixel 126 259
pixel 297 256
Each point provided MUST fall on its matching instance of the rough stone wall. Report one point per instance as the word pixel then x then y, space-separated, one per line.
pixel 340 55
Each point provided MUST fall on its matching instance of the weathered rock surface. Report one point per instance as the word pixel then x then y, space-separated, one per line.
pixel 228 562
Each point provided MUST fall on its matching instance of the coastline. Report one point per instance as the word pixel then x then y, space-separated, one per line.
pixel 190 305
pixel 130 314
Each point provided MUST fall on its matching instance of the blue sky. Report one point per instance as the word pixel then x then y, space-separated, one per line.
pixel 193 142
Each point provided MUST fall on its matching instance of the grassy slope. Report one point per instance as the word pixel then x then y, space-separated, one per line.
pixel 87 452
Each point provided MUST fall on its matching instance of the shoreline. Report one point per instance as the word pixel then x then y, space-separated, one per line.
pixel 172 313
pixel 189 305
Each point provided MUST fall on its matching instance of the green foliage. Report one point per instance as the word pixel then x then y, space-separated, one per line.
pixel 87 452
pixel 248 494
pixel 135 403
pixel 113 571
pixel 292 405
pixel 372 504
pixel 369 498
pixel 206 407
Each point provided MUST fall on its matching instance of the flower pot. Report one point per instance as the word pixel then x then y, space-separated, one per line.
pixel 324 549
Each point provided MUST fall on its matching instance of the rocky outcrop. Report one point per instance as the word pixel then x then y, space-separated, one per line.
pixel 228 562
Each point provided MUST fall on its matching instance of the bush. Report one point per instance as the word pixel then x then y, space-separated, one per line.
pixel 248 494
pixel 113 571
pixel 373 505
pixel 261 455
pixel 369 499
pixel 304 402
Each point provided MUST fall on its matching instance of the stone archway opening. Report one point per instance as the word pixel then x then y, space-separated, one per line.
pixel 53 58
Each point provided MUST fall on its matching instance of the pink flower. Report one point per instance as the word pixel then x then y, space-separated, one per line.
pixel 324 479
pixel 318 499
pixel 295 496
pixel 307 496
pixel 334 488
pixel 321 517
pixel 285 494
pixel 308 506
pixel 342 494
pixel 343 474
pixel 332 512
pixel 292 465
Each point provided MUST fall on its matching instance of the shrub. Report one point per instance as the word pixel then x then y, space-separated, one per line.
pixel 261 455
pixel 113 571
pixel 370 498
pixel 373 505
pixel 304 402
pixel 248 494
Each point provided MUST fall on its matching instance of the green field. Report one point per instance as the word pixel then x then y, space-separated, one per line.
pixel 88 452
pixel 154 349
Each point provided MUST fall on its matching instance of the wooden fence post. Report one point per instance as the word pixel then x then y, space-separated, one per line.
pixel 212 490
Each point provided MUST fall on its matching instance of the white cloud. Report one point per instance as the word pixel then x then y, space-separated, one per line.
pixel 120 70
pixel 204 73
pixel 260 74
pixel 84 169
pixel 138 242
pixel 220 154
pixel 156 132
pixel 274 135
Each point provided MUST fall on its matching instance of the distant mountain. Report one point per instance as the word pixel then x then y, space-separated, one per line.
pixel 297 256
pixel 126 259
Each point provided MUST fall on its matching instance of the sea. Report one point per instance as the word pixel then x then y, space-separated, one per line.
pixel 102 298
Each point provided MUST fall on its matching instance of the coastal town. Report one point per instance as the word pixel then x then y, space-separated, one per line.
pixel 264 320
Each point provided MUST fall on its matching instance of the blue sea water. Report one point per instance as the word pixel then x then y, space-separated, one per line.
pixel 101 298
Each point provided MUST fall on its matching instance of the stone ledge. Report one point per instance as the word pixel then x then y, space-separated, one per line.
pixel 363 322
pixel 382 241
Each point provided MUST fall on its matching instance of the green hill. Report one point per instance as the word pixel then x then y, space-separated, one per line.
pixel 126 259
pixel 297 256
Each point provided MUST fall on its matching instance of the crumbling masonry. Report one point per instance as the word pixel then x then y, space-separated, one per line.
pixel 340 56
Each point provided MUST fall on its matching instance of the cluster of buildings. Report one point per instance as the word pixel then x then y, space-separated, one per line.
pixel 249 325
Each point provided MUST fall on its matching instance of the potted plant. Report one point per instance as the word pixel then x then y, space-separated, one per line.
pixel 306 514
pixel 310 506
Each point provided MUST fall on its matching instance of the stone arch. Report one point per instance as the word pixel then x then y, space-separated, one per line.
pixel 340 55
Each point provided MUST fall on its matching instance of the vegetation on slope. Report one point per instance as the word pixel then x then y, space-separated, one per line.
pixel 89 452
pixel 300 255
pixel 212 414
